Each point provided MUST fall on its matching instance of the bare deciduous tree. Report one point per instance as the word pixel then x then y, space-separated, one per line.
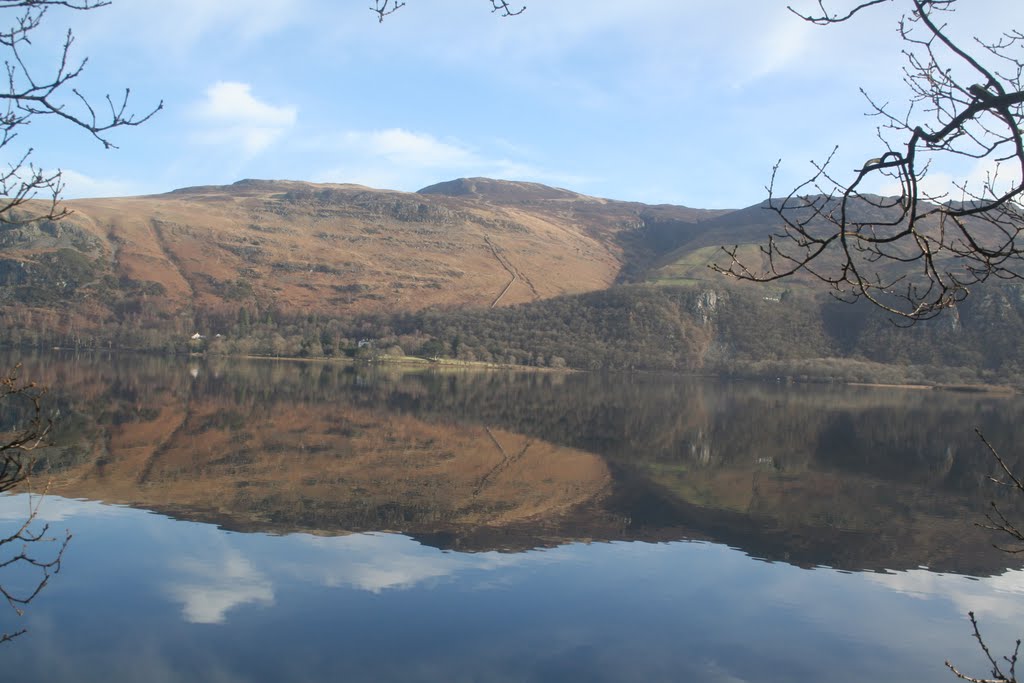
pixel 31 93
pixel 920 252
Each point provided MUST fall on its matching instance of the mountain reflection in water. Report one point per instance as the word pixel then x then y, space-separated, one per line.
pixel 848 477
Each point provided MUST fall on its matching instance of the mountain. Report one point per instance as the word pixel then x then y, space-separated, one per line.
pixel 474 269
pixel 321 249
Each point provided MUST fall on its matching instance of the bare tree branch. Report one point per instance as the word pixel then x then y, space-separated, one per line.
pixel 21 548
pixel 918 253
pixel 1004 669
pixel 28 94
pixel 383 8
pixel 998 675
pixel 17 443
pixel 24 545
pixel 997 521
pixel 503 8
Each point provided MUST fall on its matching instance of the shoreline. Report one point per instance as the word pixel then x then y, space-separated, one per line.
pixel 467 365
pixel 960 388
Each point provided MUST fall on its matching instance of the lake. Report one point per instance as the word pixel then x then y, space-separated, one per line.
pixel 246 520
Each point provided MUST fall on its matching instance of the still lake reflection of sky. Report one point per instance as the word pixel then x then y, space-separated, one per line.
pixel 143 597
pixel 234 554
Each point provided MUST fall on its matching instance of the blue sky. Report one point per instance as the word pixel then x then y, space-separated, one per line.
pixel 651 100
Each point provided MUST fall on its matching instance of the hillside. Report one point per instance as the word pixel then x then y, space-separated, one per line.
pixel 329 250
pixel 474 269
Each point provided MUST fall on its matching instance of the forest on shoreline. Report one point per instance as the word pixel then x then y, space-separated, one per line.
pixel 736 332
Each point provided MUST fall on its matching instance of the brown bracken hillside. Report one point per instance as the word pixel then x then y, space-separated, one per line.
pixel 471 269
pixel 321 249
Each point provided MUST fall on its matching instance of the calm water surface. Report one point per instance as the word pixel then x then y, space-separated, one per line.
pixel 260 521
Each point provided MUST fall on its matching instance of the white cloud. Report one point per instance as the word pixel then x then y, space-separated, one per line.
pixel 990 178
pixel 397 158
pixel 380 177
pixel 233 102
pixel 983 178
pixel 407 148
pixel 17 507
pixel 174 29
pixel 247 20
pixel 81 185
pixel 777 48
pixel 378 562
pixel 214 589
pixel 234 116
pixel 381 575
pixel 999 596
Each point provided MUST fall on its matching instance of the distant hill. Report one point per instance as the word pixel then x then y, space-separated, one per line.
pixel 323 249
pixel 506 191
pixel 473 268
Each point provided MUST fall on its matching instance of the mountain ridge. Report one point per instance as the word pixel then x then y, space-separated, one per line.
pixel 496 242
pixel 473 269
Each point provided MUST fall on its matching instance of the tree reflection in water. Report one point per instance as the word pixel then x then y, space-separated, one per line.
pixel 860 479
pixel 1003 669
pixel 29 556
